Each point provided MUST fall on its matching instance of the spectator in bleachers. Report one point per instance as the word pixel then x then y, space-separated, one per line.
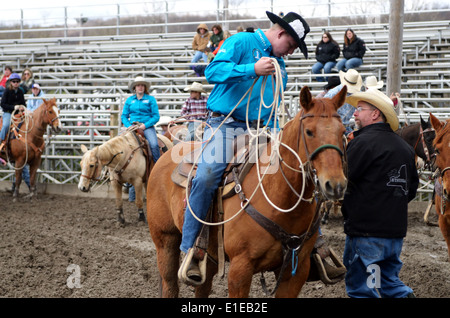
pixel 353 51
pixel 216 37
pixel 142 108
pixel 327 51
pixel 333 81
pixel 239 29
pixel 200 69
pixel 27 81
pixel 226 35
pixel 199 43
pixel 194 108
pixel 33 104
pixel 6 74
pixel 352 79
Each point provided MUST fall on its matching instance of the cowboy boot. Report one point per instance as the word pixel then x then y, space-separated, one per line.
pixel 333 273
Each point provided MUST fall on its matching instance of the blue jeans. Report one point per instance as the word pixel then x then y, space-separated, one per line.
pixel 150 135
pixel 199 55
pixel 5 126
pixel 25 176
pixel 316 69
pixel 345 65
pixel 373 264
pixel 212 163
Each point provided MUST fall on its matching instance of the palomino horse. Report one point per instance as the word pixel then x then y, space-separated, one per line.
pixel 315 136
pixel 28 148
pixel 420 136
pixel 125 157
pixel 442 183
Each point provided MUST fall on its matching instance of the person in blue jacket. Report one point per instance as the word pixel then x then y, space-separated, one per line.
pixel 143 109
pixel 241 59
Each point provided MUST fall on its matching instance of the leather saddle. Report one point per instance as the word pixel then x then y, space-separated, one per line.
pixel 243 160
pixel 145 147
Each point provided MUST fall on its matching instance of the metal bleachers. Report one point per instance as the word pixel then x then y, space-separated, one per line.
pixel 90 75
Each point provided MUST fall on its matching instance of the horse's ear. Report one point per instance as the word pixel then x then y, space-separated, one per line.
pixel 422 122
pixel 436 123
pixel 339 98
pixel 84 148
pixel 305 98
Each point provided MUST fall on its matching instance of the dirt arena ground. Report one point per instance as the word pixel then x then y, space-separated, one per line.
pixel 72 247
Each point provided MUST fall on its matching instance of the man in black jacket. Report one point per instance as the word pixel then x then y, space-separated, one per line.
pixel 382 180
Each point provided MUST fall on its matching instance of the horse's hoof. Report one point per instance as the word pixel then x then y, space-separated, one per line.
pixel 142 217
pixel 121 219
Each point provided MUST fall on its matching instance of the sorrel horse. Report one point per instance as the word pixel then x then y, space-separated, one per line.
pixel 420 136
pixel 125 158
pixel 28 148
pixel 315 136
pixel 442 183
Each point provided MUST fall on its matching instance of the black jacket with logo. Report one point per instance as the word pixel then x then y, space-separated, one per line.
pixel 327 52
pixel 355 49
pixel 382 179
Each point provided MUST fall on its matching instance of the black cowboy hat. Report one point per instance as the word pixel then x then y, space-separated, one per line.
pixel 295 25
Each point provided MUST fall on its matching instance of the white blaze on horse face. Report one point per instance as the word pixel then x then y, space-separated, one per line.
pixel 86 171
pixel 56 110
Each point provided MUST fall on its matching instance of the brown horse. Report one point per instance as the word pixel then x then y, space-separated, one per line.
pixel 124 156
pixel 442 184
pixel 315 135
pixel 28 148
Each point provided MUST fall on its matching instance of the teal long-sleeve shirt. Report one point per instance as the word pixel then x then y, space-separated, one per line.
pixel 233 72
pixel 144 111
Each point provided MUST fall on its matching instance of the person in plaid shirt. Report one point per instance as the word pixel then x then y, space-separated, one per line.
pixel 194 108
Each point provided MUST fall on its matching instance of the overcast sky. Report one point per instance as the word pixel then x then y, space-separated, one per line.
pixel 49 10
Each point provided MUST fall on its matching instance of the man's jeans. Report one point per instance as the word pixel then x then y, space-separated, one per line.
pixel 5 126
pixel 199 55
pixel 211 165
pixel 316 69
pixel 373 264
pixel 345 65
pixel 150 135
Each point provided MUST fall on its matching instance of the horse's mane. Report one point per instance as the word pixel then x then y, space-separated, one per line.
pixel 442 132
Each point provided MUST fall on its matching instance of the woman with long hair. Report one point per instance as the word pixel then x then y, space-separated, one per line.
pixel 327 51
pixel 353 51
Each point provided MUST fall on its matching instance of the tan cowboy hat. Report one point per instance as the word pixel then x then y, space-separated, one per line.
pixel 195 87
pixel 352 79
pixel 164 120
pixel 380 101
pixel 371 82
pixel 139 80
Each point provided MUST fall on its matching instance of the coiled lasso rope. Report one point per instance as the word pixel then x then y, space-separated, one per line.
pixel 259 132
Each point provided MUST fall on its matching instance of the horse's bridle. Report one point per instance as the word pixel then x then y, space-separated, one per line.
pixel 92 177
pixel 424 144
pixel 320 148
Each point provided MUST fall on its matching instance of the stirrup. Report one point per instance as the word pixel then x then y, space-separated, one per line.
pixel 322 271
pixel 182 272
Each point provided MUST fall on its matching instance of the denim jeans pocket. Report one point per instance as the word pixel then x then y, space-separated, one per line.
pixel 369 249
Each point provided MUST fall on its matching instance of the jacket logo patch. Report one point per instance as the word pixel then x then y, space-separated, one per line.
pixel 256 54
pixel 398 179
